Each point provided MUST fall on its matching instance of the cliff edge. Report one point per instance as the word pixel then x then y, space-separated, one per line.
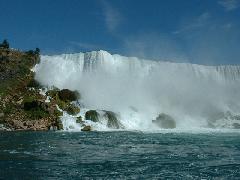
pixel 22 106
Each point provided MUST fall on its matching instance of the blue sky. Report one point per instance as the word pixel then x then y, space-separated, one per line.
pixel 196 31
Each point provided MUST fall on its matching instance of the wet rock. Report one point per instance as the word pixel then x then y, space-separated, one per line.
pixel 79 120
pixel 63 99
pixel 236 126
pixel 86 128
pixel 59 124
pixel 92 115
pixel 53 128
pixel 42 124
pixel 3 128
pixel 112 121
pixel 68 95
pixel 19 125
pixel 72 109
pixel 165 121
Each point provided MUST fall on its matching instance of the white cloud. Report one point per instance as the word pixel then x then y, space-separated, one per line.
pixel 87 46
pixel 229 5
pixel 195 23
pixel 152 45
pixel 227 26
pixel 112 16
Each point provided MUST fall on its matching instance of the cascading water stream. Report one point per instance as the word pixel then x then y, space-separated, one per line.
pixel 196 96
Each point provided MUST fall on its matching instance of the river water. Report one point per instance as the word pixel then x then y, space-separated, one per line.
pixel 119 155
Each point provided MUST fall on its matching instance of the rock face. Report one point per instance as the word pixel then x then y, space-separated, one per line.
pixel 22 107
pixel 33 113
pixel 92 115
pixel 165 121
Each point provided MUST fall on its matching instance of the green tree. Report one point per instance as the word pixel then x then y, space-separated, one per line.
pixel 5 44
pixel 37 51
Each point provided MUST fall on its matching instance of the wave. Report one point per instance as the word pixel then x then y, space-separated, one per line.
pixel 138 90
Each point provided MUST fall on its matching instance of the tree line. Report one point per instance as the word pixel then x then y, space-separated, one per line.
pixel 5 45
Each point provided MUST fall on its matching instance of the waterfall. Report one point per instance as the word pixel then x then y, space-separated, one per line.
pixel 138 90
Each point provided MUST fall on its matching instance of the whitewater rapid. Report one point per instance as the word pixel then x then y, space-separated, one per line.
pixel 196 96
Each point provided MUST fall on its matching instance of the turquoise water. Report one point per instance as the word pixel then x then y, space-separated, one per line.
pixel 119 155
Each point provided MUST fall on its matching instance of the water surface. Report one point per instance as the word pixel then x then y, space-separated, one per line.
pixel 119 155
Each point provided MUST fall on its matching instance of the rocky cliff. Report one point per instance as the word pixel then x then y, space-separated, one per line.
pixel 22 106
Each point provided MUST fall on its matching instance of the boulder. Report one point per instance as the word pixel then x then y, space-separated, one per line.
pixel 92 115
pixel 4 128
pixel 112 121
pixel 86 128
pixel 236 126
pixel 165 121
pixel 72 109
pixel 18 124
pixel 59 124
pixel 68 95
pixel 40 124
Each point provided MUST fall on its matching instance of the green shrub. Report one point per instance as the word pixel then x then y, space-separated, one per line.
pixel 34 83
pixel 72 109
pixel 68 95
pixel 4 44
pixel 79 119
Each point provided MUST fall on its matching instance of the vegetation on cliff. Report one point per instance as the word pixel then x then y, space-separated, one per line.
pixel 22 107
pixel 63 99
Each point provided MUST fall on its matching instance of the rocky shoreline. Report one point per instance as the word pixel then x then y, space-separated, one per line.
pixel 24 106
